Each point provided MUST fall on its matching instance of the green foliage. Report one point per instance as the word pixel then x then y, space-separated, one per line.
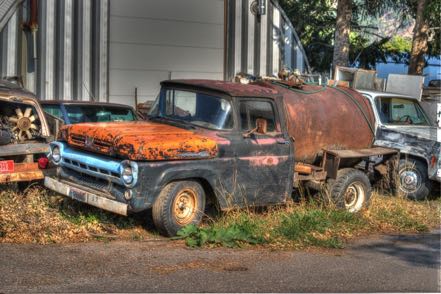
pixel 315 21
pixel 398 45
pixel 433 16
pixel 401 219
pixel 313 227
pixel 233 235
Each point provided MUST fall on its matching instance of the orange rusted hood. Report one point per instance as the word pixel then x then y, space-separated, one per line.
pixel 140 140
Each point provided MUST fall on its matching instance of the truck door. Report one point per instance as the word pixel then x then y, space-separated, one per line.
pixel 264 155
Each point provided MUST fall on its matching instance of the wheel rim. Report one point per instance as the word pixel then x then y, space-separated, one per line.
pixel 410 180
pixel 184 206
pixel 354 197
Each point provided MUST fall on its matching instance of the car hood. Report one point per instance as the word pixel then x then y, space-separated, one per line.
pixel 422 132
pixel 140 140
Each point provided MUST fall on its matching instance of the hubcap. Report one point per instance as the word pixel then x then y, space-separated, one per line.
pixel 184 206
pixel 354 197
pixel 410 180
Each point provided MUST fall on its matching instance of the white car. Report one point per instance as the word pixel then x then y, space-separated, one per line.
pixel 401 123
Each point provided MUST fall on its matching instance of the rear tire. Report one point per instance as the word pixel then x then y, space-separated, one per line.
pixel 178 205
pixel 351 190
pixel 414 182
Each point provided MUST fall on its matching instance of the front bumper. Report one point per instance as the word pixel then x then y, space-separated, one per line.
pixel 82 195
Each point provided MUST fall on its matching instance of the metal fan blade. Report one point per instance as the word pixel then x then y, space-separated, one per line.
pixel 32 118
pixel 19 112
pixel 34 127
pixel 20 136
pixel 29 134
pixel 28 112
pixel 13 119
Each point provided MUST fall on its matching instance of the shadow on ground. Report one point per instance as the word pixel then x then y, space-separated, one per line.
pixel 417 250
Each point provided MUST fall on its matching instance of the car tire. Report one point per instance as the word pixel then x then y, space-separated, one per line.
pixel 179 204
pixel 351 190
pixel 413 179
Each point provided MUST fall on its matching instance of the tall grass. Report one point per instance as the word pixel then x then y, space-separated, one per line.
pixel 308 223
pixel 39 216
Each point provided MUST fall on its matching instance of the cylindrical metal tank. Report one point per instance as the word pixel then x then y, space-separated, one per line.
pixel 326 117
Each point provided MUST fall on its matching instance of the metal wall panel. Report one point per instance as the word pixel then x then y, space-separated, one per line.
pixel 238 37
pixel 82 44
pixel 10 46
pixel 263 44
pixel 152 40
pixel 71 59
pixel 7 9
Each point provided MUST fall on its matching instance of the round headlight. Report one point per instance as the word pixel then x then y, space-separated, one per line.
pixel 127 175
pixel 56 154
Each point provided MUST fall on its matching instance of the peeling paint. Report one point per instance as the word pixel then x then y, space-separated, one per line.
pixel 148 141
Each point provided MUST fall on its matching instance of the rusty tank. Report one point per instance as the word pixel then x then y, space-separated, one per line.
pixel 326 117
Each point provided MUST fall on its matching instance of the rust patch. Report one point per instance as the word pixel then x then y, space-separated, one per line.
pixel 318 120
pixel 264 160
pixel 23 172
pixel 141 141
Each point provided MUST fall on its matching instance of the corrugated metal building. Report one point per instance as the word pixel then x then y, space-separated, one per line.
pixel 104 49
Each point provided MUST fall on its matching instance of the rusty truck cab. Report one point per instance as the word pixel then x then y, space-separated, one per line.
pixel 255 143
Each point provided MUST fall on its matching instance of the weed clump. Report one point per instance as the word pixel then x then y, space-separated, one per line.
pixel 317 227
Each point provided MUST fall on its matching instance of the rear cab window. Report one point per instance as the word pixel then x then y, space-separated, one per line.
pixel 253 111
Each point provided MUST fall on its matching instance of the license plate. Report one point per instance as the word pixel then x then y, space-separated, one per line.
pixel 77 194
pixel 6 166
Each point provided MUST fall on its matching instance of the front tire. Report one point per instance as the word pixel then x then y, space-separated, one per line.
pixel 351 190
pixel 178 205
pixel 414 182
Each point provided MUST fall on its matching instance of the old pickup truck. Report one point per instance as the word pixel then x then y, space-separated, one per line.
pixel 232 144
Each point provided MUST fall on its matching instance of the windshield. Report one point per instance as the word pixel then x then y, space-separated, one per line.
pixel 198 109
pixel 98 113
pixel 400 111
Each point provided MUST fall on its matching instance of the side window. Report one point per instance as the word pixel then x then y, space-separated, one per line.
pixel 251 111
pixel 53 110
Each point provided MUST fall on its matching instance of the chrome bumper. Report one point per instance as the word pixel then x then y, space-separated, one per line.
pixel 85 196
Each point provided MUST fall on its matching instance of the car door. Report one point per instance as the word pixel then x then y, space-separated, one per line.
pixel 264 156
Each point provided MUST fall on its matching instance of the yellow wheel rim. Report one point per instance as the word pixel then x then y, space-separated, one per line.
pixel 184 206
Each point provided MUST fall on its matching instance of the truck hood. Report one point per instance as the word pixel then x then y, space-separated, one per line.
pixel 422 132
pixel 140 140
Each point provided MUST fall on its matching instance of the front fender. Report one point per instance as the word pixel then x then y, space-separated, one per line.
pixel 155 176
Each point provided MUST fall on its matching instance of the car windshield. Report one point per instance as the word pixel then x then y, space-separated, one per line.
pixel 401 111
pixel 98 113
pixel 197 108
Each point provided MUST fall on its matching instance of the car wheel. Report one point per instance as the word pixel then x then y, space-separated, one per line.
pixel 414 182
pixel 351 190
pixel 178 205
